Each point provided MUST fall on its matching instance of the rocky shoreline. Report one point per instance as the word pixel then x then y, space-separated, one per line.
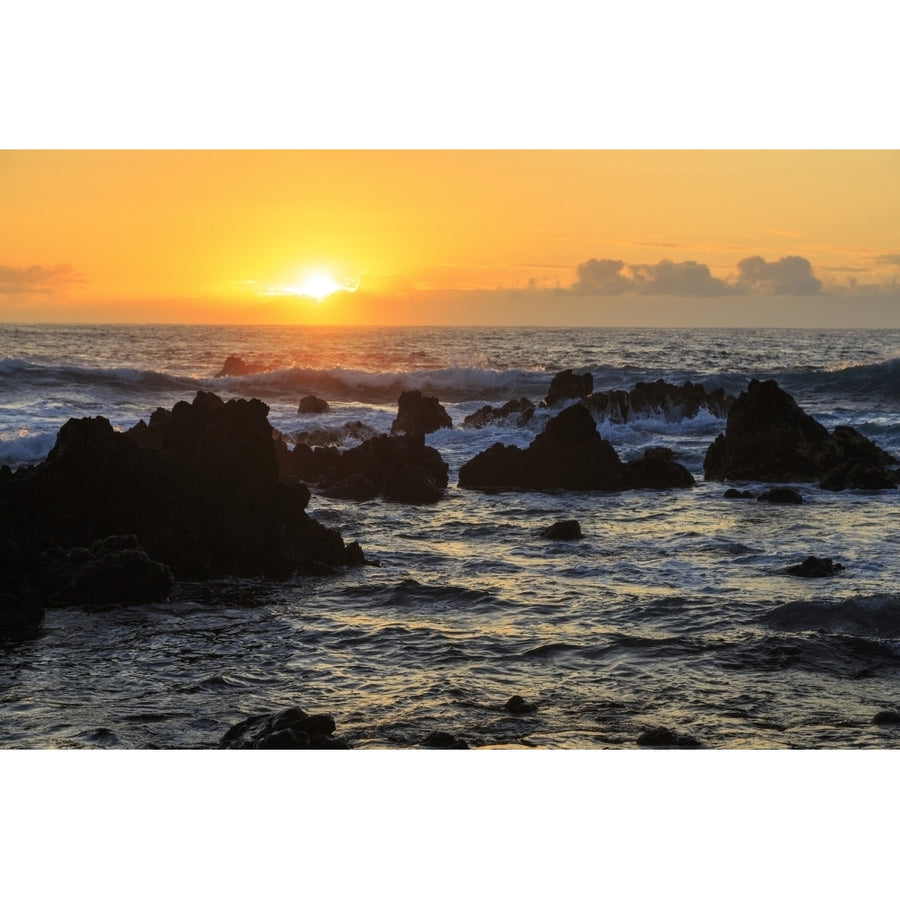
pixel 208 490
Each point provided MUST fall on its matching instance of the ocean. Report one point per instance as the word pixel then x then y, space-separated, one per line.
pixel 671 612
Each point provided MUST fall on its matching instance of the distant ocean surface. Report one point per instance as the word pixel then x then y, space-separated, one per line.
pixel 670 612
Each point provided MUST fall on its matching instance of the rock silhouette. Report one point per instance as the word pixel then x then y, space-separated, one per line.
pixel 768 437
pixel 291 729
pixel 312 404
pixel 397 467
pixel 418 413
pixel 198 486
pixel 570 455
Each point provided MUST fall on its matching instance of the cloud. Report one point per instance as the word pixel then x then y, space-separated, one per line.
pixel 602 276
pixel 38 279
pixel 788 275
pixel 612 277
pixel 685 279
pixel 753 275
pixel 888 259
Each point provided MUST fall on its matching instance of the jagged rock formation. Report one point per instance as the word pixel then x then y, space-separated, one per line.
pixel 567 385
pixel 396 467
pixel 570 454
pixel 659 398
pixel 522 408
pixel 768 437
pixel 418 413
pixel 198 486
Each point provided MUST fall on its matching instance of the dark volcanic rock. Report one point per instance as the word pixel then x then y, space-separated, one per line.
pixel 417 413
pixel 234 365
pixel 113 571
pixel 659 398
pixel 780 495
pixel 440 740
pixel 735 494
pixel 886 717
pixel 814 567
pixel 522 408
pixel 570 455
pixel 198 487
pixel 657 469
pixel 21 610
pixel 517 706
pixel 566 530
pixel 312 404
pixel 769 438
pixel 292 729
pixel 396 467
pixel 664 737
pixel 568 386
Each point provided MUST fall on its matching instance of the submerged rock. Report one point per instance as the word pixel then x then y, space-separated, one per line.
pixel 886 717
pixel 814 567
pixel 291 729
pixel 312 404
pixel 664 737
pixel 517 706
pixel 234 365
pixel 566 530
pixel 735 494
pixel 768 437
pixel 780 495
pixel 441 740
pixel 417 413
pixel 570 455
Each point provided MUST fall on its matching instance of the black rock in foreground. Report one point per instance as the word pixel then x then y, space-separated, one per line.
pixel 115 571
pixel 292 729
pixel 198 487
pixel 570 455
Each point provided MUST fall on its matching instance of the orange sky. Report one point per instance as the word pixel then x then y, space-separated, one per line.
pixel 452 237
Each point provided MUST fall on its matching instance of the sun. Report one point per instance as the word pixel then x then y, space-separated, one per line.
pixel 319 286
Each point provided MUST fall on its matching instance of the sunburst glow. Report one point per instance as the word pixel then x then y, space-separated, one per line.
pixel 319 286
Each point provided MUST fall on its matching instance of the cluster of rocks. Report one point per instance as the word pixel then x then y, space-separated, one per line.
pixel 569 454
pixel 399 467
pixel 645 398
pixel 196 489
pixel 768 437
pixel 523 409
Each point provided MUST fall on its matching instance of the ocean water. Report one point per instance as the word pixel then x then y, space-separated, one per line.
pixel 670 612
